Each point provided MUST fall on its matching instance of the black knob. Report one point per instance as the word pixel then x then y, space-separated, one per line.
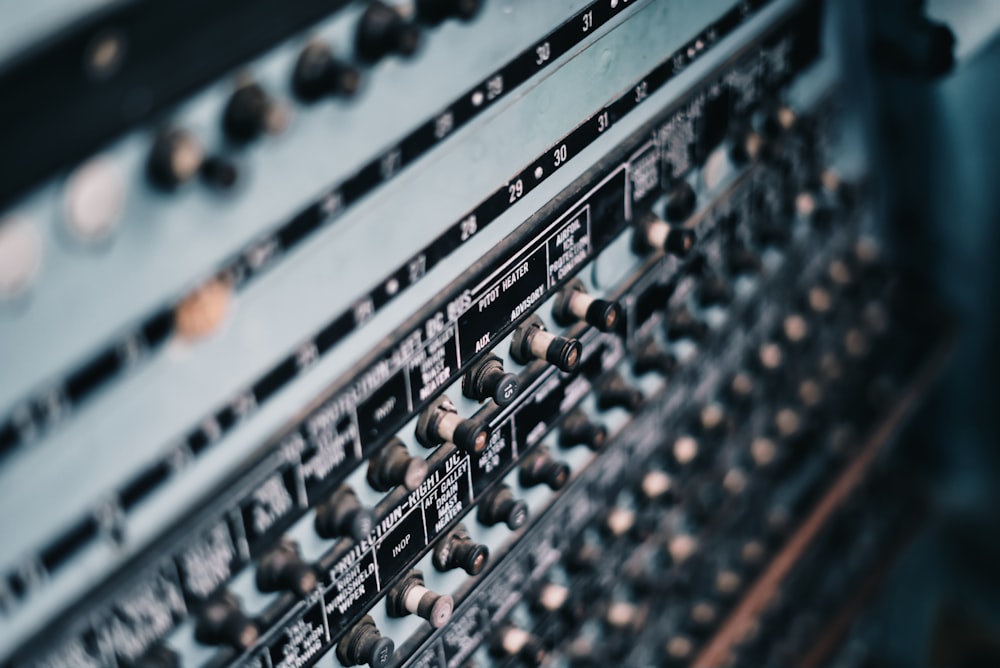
pixel 409 596
pixel 512 641
pixel 283 569
pixel 613 392
pixel 582 557
pixel 681 201
pixel 159 656
pixel 498 506
pixel 219 172
pixel 458 550
pixel 487 380
pixel 251 112
pixel 319 73
pixel 713 290
pixel 539 468
pixel 436 11
pixel 573 305
pixel 531 341
pixel 382 31
pixel 363 643
pixel 393 465
pixel 176 156
pixel 654 234
pixel 682 324
pixel 440 423
pixel 577 429
pixel 342 515
pixel 222 622
pixel 740 260
pixel 650 357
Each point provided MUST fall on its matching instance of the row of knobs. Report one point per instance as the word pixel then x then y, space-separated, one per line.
pixel 251 112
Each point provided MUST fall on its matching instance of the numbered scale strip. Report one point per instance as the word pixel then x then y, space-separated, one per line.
pixel 40 412
pixel 330 442
pixel 36 414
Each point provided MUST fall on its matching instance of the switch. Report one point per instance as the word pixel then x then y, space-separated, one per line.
pixel 318 73
pixel 498 506
pixel 222 622
pixel 512 641
pixel 363 643
pixel 742 261
pixel 440 423
pixel 714 291
pixel 393 465
pixel 540 468
pixel 573 305
pixel 383 31
pixel 219 172
pixel 487 380
pixel 653 233
pixel 176 156
pixel 681 201
pixel 613 392
pixel 436 11
pixel 458 550
pixel 202 311
pixel 410 597
pixel 251 112
pixel 682 324
pixel 531 341
pixel 342 515
pixel 650 357
pixel 577 429
pixel 283 569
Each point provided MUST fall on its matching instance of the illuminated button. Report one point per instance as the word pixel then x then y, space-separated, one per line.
pixel 202 312
pixel 318 73
pixel 382 31
pixel 393 465
pixel 222 622
pixel 573 305
pixel 650 357
pixel 498 506
pixel 531 341
pixel 487 380
pixel 363 643
pixel 653 233
pixel 20 256
pixel 681 201
pixel 283 569
pixel 512 641
pixel 619 521
pixel 440 423
pixel 656 487
pixel 410 597
pixel 458 550
pixel 343 515
pixel 436 11
pixel 175 158
pixel 539 468
pixel 94 197
pixel 613 392
pixel 252 112
pixel 577 429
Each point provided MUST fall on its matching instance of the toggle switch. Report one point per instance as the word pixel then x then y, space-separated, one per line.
pixel 487 380
pixel 410 597
pixel 573 305
pixel 440 423
pixel 650 357
pixel 283 569
pixel 363 643
pixel 252 112
pixel 176 156
pixel 393 465
pixel 383 31
pixel 682 324
pixel 223 622
pixel 613 392
pixel 458 550
pixel 498 506
pixel 531 341
pixel 318 73
pixel 342 515
pixel 577 429
pixel 654 234
pixel 539 468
